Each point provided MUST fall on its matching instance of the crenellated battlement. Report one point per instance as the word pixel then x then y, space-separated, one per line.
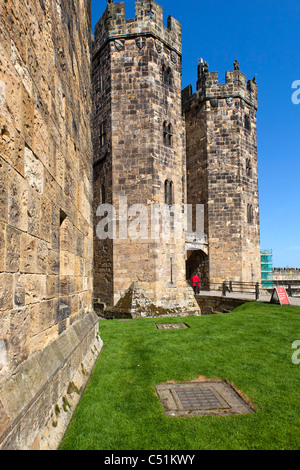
pixel 148 21
pixel 209 87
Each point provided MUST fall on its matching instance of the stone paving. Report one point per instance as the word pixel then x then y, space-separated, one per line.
pixel 172 326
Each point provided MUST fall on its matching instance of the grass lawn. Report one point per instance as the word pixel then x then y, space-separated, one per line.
pixel 250 347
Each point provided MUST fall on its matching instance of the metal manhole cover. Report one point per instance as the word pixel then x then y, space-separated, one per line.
pixel 197 399
pixel 172 326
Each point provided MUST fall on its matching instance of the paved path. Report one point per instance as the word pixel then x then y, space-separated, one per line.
pixel 242 296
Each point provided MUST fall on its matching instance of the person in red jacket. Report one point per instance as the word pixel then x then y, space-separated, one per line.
pixel 196 283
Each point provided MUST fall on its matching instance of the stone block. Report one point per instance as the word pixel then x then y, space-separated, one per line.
pixel 28 261
pixel 6 291
pixel 45 219
pixel 41 256
pixel 35 285
pixel 27 117
pixel 17 201
pixel 2 246
pixel 4 420
pixel 11 88
pixel 34 171
pixel 12 255
pixel 3 190
pixel 19 290
pixel 52 284
pixel 40 141
pixel 53 262
pixel 33 213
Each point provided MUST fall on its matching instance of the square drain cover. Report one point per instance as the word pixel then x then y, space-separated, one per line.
pixel 198 399
pixel 171 326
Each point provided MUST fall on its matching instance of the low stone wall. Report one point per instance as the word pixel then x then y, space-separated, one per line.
pixel 137 304
pixel 212 304
pixel 38 401
pixel 209 305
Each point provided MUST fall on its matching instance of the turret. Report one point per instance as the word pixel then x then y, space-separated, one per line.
pixel 138 136
pixel 209 88
pixel 222 172
pixel 148 21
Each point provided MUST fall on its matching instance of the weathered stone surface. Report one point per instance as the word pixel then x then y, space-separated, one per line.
pixel 48 335
pixel 2 246
pixel 24 400
pixel 34 171
pixel 211 305
pixel 45 209
pixel 222 174
pixel 137 88
pixel 6 297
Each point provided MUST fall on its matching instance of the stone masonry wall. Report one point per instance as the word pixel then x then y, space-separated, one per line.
pixel 222 171
pixel 46 232
pixel 144 61
pixel 102 179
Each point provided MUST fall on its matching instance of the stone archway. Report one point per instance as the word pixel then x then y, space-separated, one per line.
pixel 197 261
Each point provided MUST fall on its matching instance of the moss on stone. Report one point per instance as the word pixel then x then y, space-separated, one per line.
pixel 66 404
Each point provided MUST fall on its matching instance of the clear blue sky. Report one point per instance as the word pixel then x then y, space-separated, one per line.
pixel 264 36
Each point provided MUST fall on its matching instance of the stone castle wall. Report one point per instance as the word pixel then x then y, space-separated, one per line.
pixel 46 232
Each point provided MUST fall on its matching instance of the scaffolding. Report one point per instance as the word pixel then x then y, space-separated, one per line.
pixel 267 268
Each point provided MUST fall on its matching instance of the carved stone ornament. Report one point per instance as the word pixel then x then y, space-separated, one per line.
pixel 140 42
pixel 214 103
pixel 158 46
pixel 174 57
pixel 230 102
pixel 236 65
pixel 119 44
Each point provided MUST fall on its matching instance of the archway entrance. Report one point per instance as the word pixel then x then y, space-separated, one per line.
pixel 197 261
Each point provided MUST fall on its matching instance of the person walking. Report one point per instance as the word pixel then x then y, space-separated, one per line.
pixel 196 284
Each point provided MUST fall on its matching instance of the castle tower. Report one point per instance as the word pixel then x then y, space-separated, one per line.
pixel 139 158
pixel 222 172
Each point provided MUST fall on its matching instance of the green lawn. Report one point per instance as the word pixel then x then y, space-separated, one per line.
pixel 250 347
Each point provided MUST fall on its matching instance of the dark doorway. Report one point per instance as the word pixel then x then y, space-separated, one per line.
pixel 197 261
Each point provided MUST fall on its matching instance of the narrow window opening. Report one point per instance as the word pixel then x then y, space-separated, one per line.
pixel 102 194
pixel 248 167
pixel 102 134
pixel 169 192
pixel 166 191
pixel 167 75
pixel 247 122
pixel 250 215
pixel 62 217
pixel 101 81
pixel 167 134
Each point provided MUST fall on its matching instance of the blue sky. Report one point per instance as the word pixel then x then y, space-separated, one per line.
pixel 264 36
